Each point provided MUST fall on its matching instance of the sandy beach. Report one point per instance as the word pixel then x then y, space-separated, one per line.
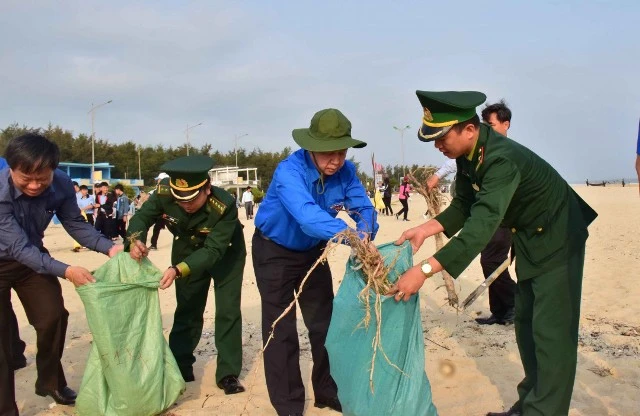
pixel 485 358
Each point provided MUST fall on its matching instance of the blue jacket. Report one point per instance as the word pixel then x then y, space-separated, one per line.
pixel 299 210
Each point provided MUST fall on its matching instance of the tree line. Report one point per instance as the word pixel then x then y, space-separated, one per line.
pixel 124 156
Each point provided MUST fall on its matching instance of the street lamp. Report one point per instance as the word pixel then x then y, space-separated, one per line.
pixel 235 148
pixel 401 130
pixel 93 137
pixel 187 133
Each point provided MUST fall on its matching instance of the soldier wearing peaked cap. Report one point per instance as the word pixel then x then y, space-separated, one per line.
pixel 502 182
pixel 208 245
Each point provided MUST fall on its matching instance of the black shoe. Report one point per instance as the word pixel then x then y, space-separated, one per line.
pixel 330 402
pixel 19 363
pixel 66 396
pixel 153 248
pixel 230 385
pixel 405 219
pixel 493 319
pixel 513 411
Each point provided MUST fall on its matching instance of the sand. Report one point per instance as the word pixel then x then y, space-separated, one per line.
pixel 485 358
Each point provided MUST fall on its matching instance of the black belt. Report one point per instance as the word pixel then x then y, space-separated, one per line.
pixel 260 234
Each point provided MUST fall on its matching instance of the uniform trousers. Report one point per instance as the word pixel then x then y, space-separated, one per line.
pixel 41 297
pixel 502 290
pixel 188 320
pixel 546 327
pixel 279 272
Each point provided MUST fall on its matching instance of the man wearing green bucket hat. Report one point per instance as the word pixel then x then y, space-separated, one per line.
pixel 502 182
pixel 295 220
pixel 208 245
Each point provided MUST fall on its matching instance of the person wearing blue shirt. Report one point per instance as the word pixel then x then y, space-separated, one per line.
pixel 31 191
pixel 295 220
pixel 638 157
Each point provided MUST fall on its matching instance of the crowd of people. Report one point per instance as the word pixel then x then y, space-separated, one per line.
pixel 506 198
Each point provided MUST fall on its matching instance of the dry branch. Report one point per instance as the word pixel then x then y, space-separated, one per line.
pixel 435 200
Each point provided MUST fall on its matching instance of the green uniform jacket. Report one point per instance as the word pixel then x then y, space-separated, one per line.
pixel 200 239
pixel 503 182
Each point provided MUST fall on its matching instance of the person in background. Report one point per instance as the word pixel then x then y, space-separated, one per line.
pixel 403 196
pixel 378 203
pixel 638 157
pixel 122 210
pixel 105 201
pixel 247 201
pixel 161 179
pixel 31 190
pixel 386 196
pixel 296 219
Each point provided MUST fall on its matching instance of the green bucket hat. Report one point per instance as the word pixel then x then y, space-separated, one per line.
pixel 444 109
pixel 329 131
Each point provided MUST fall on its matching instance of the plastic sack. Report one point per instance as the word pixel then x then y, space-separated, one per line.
pixel 350 350
pixel 130 370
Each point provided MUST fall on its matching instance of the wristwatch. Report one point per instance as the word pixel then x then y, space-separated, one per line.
pixel 426 269
pixel 178 274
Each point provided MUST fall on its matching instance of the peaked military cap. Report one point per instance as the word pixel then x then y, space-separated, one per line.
pixel 329 131
pixel 187 175
pixel 444 109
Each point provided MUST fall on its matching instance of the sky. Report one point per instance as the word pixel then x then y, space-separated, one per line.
pixel 569 70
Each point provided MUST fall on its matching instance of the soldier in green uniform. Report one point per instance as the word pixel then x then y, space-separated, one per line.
pixel 502 182
pixel 208 244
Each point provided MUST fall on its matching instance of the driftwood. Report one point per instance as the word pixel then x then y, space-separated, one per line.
pixel 434 199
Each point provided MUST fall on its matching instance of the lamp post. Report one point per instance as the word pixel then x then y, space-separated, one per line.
pixel 401 130
pixel 187 133
pixel 139 164
pixel 235 148
pixel 93 137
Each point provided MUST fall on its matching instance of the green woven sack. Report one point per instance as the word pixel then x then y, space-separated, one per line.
pixel 130 370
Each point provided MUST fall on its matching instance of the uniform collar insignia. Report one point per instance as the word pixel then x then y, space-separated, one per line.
pixel 480 157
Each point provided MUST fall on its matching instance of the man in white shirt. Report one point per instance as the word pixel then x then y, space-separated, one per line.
pixel 247 201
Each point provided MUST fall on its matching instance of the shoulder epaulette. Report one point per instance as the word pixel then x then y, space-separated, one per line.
pixel 217 205
pixel 162 189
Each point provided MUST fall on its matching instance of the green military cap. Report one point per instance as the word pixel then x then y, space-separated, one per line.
pixel 443 109
pixel 329 131
pixel 187 175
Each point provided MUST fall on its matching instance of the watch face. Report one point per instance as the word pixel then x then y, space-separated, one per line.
pixel 426 268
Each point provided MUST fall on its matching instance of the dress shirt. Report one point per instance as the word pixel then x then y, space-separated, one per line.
pixel 447 168
pixel 299 212
pixel 23 220
pixel 83 202
pixel 247 196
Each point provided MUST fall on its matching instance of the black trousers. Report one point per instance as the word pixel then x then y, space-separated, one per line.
pixel 405 208
pixel 17 345
pixel 106 225
pixel 387 205
pixel 279 272
pixel 90 218
pixel 159 225
pixel 41 297
pixel 121 227
pixel 502 290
